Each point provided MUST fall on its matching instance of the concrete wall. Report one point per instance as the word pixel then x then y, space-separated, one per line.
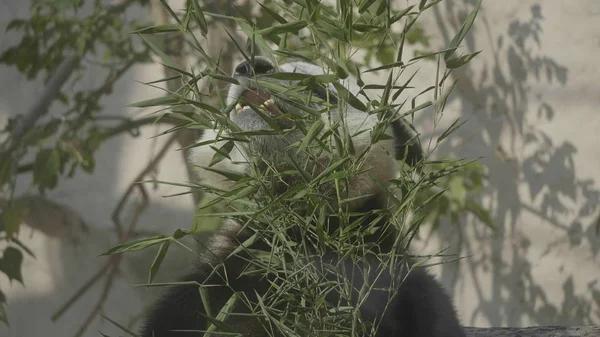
pixel 530 100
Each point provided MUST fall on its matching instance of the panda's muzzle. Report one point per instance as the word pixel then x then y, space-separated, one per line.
pixel 259 99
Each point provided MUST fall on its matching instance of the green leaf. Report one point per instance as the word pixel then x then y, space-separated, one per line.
pixel 211 109
pixel 221 153
pixel 150 41
pixel 120 326
pixel 312 133
pixel 332 29
pixel 160 256
pixel 64 4
pixel 273 14
pixel 219 321
pixel 460 61
pixel 12 216
pixel 231 175
pixel 15 24
pixel 349 97
pixel 453 127
pixel 252 35
pixel 482 213
pixel 399 15
pixel 332 168
pixel 364 5
pixel 314 81
pixel 462 32
pixel 46 169
pixel 10 264
pixel 457 190
pixel 137 245
pixel 286 76
pixel 158 29
pixel 433 3
pixel 3 315
pixel 169 99
pixel 199 18
pixel 290 27
pixel 204 296
pixel 387 66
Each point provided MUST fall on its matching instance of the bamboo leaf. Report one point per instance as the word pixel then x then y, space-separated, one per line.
pixel 137 244
pixel 462 32
pixel 158 259
pixel 290 27
pixel 460 61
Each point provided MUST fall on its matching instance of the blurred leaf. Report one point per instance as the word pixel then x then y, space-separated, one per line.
pixel 482 214
pixel 3 315
pixel 12 216
pixel 64 4
pixel 170 99
pixel 457 190
pixel 10 264
pixel 46 169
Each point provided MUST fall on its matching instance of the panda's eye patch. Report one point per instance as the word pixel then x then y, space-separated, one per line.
pixel 322 93
pixel 263 67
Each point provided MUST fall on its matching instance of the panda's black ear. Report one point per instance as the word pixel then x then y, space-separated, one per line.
pixel 405 146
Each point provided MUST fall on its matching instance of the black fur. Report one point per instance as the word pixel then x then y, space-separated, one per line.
pixel 407 148
pixel 419 308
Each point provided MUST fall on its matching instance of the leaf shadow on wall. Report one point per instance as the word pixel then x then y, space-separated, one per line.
pixel 504 115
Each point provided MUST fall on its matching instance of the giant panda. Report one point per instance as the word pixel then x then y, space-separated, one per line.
pixel 402 302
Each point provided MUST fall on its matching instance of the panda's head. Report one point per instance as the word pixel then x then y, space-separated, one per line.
pixel 249 95
pixel 258 109
pixel 261 108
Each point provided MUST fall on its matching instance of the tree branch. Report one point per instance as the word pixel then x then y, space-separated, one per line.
pixel 58 79
pixel 109 270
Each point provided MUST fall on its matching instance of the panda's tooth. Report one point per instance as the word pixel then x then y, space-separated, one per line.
pixel 268 104
pixel 238 107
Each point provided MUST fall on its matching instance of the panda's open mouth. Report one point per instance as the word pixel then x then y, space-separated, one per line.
pixel 260 99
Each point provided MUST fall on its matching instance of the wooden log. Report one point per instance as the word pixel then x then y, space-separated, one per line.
pixel 536 331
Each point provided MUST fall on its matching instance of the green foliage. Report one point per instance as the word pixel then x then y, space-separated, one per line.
pixel 460 195
pixel 54 35
pixel 271 207
pixel 291 29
